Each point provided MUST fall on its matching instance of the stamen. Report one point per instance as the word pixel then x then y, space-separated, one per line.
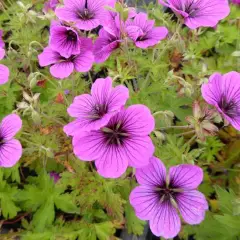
pixel 107 130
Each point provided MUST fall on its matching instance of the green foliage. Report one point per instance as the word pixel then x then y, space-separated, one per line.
pixel 210 148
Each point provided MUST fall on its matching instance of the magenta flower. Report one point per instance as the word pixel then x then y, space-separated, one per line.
pixel 4 71
pixel 50 5
pixel 109 40
pixel 160 196
pixel 86 14
pixel 223 92
pixel 64 40
pixel 142 31
pixel 63 67
pixel 55 176
pixel 10 148
pixel 199 13
pixel 94 111
pixel 123 142
pixel 1 40
pixel 237 2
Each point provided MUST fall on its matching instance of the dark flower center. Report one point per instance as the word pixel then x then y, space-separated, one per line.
pixel 166 193
pixel 191 8
pixel 229 107
pixel 142 38
pixel 1 140
pixel 98 111
pixel 85 14
pixel 71 36
pixel 70 59
pixel 115 134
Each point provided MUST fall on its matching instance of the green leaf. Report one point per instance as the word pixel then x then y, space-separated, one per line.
pixel 104 230
pixel 64 202
pixel 225 200
pixel 44 216
pixel 7 200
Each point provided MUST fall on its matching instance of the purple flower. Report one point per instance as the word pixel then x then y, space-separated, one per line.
pixel 94 111
pixel 123 142
pixel 10 148
pixel 199 13
pixel 237 2
pixel 223 92
pixel 54 176
pixel 63 67
pixel 160 196
pixel 66 92
pixel 1 40
pixel 64 40
pixel 109 40
pixel 50 5
pixel 86 14
pixel 4 71
pixel 142 31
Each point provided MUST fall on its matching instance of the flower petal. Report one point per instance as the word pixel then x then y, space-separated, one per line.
pixel 81 106
pixel 89 146
pixel 230 85
pixel 87 25
pixel 67 14
pixel 10 153
pixel 9 126
pixel 154 174
pixel 84 124
pixel 117 98
pixel 192 206
pixel 84 61
pixel 104 46
pixel 2 53
pixel 138 120
pixel 4 74
pixel 153 37
pixel 165 221
pixel 185 176
pixel 145 201
pixel 139 150
pixel 101 90
pixel 48 57
pixel 208 14
pixel 59 41
pixel 62 69
pixel 134 32
pixel 113 162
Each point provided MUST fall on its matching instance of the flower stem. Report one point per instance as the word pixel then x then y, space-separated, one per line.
pixel 175 127
pixel 185 133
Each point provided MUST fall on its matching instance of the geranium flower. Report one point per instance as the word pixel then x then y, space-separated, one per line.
pixel 50 5
pixel 160 196
pixel 123 142
pixel 142 31
pixel 94 111
pixel 63 67
pixel 237 2
pixel 4 71
pixel 1 40
pixel 223 92
pixel 64 40
pixel 10 148
pixel 86 14
pixel 199 13
pixel 55 176
pixel 109 40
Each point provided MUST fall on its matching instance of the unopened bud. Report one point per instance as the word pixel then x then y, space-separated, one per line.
pixel 36 117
